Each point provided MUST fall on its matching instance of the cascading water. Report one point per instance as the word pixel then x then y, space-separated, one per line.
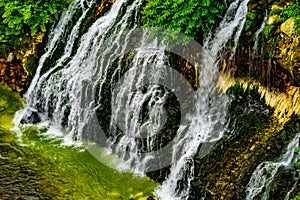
pixel 70 96
pixel 55 94
pixel 259 184
pixel 207 124
pixel 71 93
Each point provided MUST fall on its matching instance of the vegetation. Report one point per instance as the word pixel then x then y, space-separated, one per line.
pixel 24 19
pixel 269 31
pixel 250 20
pixel 293 10
pixel 189 17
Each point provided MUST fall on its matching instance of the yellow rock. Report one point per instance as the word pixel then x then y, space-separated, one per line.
pixel 287 27
pixel 137 195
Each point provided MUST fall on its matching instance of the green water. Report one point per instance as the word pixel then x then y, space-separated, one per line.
pixel 40 168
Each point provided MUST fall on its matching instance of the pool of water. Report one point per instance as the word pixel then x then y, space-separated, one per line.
pixel 34 166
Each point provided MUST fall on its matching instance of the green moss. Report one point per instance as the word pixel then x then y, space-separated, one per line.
pixel 251 15
pixel 297 197
pixel 248 25
pixel 237 89
pixel 269 31
pixel 6 136
pixel 275 12
pixel 10 102
pixel 250 20
pixel 283 135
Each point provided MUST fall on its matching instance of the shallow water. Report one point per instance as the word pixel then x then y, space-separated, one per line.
pixel 40 168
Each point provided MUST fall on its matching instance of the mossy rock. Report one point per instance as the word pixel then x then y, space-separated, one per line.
pixel 10 101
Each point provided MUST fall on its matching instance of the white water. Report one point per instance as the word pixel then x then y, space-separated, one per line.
pixel 55 35
pixel 207 123
pixel 72 89
pixel 259 184
pixel 54 93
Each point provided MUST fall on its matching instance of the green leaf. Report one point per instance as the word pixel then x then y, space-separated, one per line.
pixel 205 3
pixel 43 27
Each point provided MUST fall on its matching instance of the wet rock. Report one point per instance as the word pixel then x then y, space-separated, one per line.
pixel 104 4
pixel 274 19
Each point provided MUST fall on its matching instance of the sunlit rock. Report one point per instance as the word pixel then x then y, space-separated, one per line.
pixel 287 55
pixel 274 19
pixel 287 27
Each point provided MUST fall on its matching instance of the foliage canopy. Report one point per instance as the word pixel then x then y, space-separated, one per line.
pixel 184 16
pixel 22 19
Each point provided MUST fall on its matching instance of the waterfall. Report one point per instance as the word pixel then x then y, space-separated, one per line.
pixel 259 184
pixel 116 67
pixel 208 121
pixel 56 34
pixel 57 93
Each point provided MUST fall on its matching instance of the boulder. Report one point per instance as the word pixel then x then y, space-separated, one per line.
pixel 287 27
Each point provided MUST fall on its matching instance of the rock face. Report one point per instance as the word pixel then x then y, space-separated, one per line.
pixel 287 55
pixel 15 69
pixel 288 50
pixel 269 53
pixel 269 48
pixel 13 74
pixel 254 135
